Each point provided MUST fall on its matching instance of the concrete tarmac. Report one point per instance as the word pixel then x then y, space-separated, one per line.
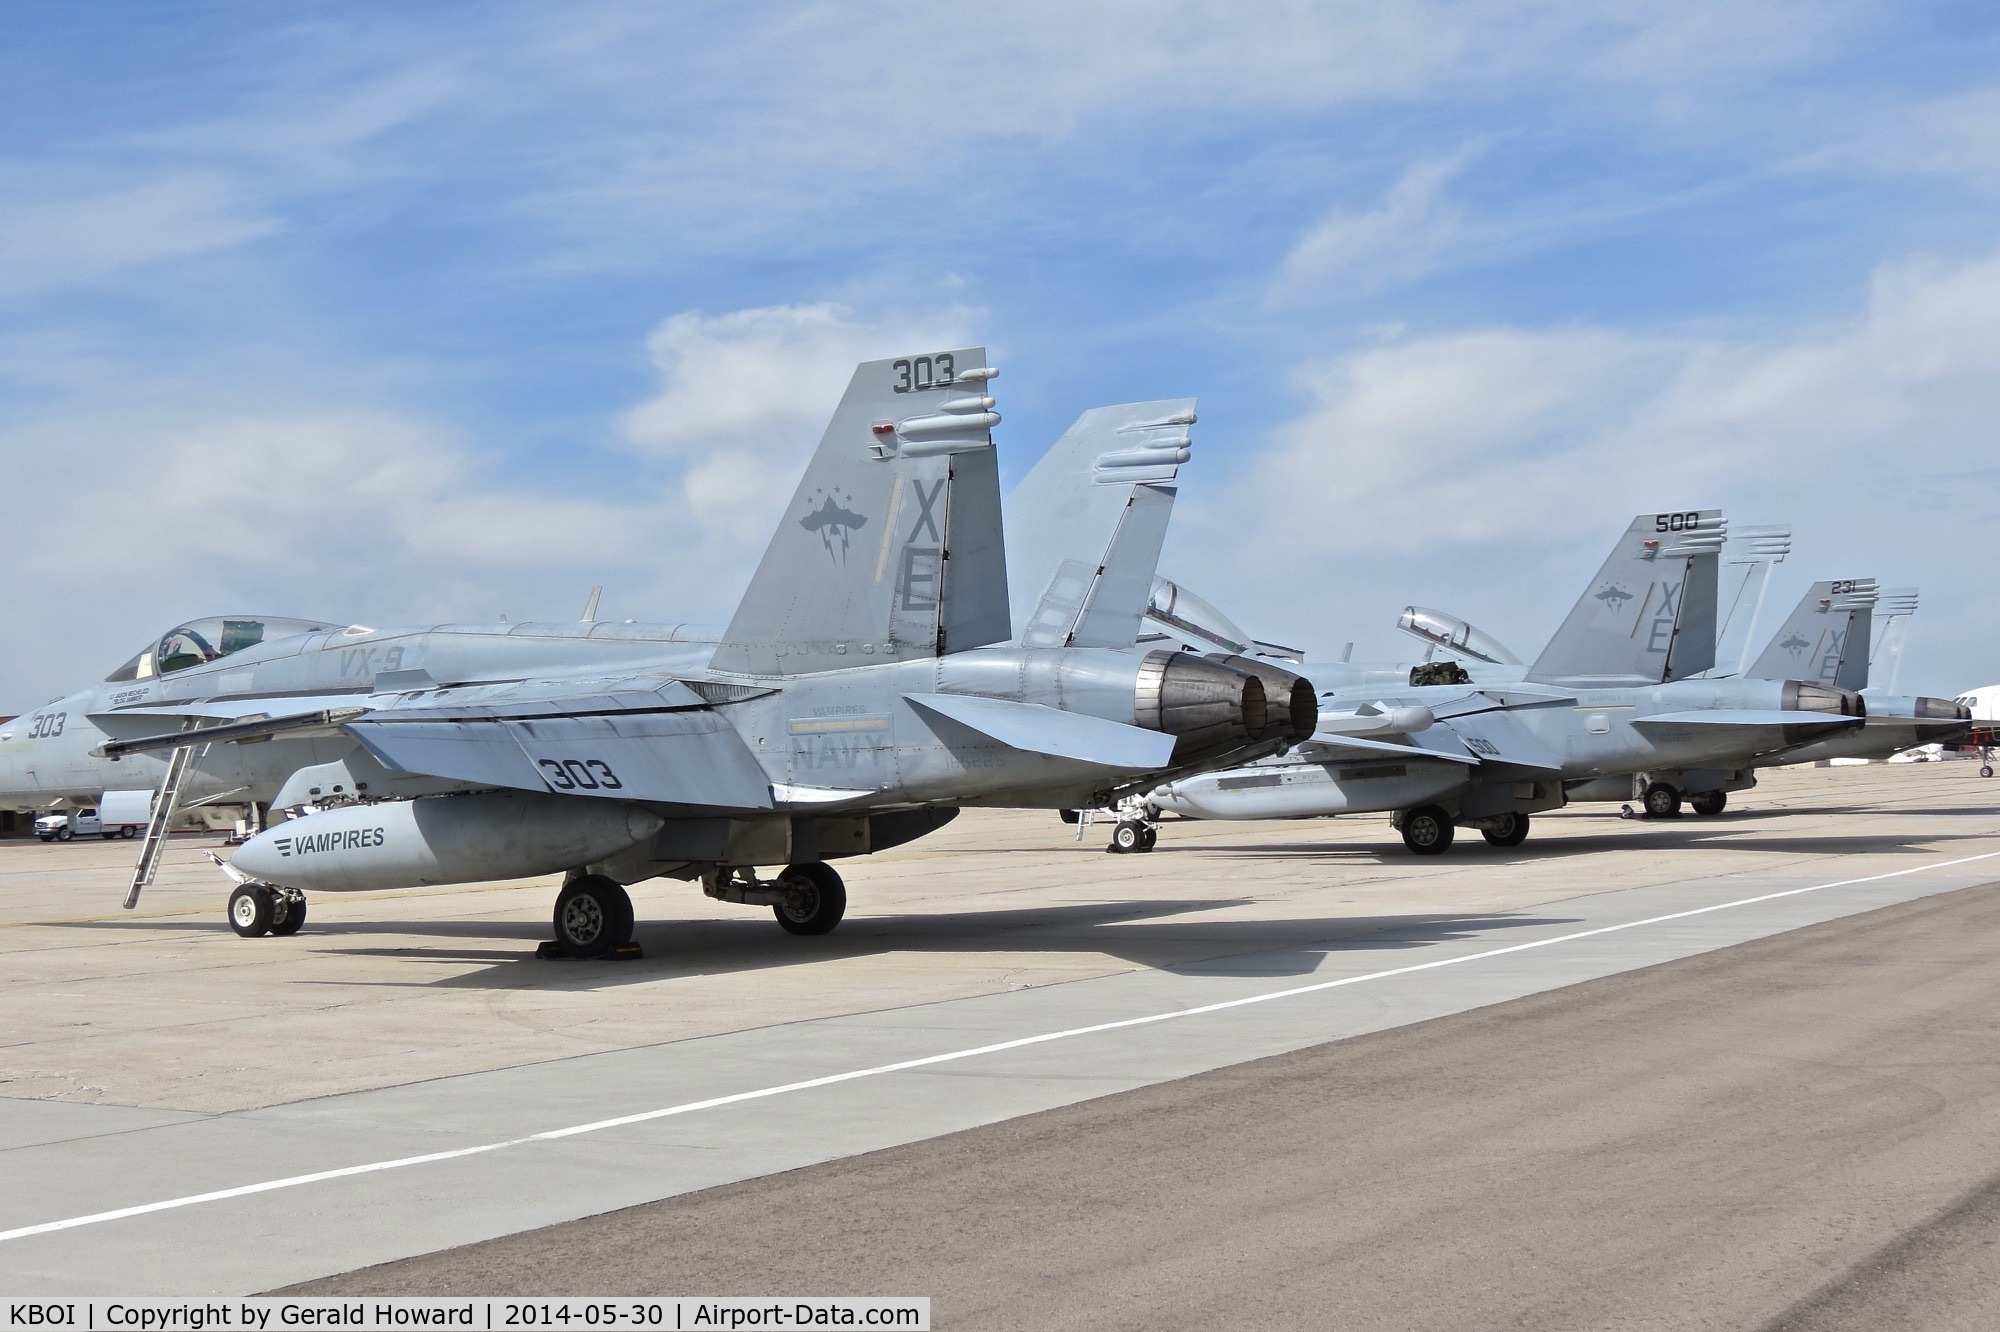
pixel 405 1077
pixel 1798 1132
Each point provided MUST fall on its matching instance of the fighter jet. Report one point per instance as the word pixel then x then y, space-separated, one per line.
pixel 1834 623
pixel 865 689
pixel 1615 693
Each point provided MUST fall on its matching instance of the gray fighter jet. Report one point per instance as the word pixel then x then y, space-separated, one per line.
pixel 864 691
pixel 1614 698
pixel 1828 637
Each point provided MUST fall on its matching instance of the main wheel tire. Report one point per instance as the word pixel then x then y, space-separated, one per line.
pixel 1708 802
pixel 1513 831
pixel 1151 838
pixel 1662 801
pixel 1985 770
pixel 1427 831
pixel 593 915
pixel 252 907
pixel 1128 836
pixel 293 917
pixel 820 899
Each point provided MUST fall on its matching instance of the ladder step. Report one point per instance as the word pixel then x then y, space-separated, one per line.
pixel 156 827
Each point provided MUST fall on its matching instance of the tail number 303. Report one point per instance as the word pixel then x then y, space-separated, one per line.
pixel 579 775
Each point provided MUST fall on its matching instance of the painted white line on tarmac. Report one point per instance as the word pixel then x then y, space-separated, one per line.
pixel 928 1061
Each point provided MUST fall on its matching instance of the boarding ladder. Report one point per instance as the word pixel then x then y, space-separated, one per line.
pixel 156 827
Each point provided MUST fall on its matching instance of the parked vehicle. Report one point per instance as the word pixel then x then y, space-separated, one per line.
pixel 120 814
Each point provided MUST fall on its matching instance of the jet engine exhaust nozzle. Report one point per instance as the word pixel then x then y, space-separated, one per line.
pixel 1808 696
pixel 1291 708
pixel 1214 706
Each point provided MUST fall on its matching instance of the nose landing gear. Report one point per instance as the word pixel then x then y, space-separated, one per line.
pixel 257 909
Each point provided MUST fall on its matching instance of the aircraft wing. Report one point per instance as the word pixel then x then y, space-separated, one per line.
pixel 680 757
pixel 644 739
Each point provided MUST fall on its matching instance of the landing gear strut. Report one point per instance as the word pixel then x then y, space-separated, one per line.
pixel 807 898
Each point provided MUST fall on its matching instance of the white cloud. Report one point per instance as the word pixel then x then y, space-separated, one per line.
pixel 57 230
pixel 1485 472
pixel 122 522
pixel 1400 238
pixel 744 396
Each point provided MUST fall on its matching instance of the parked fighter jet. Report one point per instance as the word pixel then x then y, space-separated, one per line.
pixel 861 694
pixel 1613 694
pixel 1828 637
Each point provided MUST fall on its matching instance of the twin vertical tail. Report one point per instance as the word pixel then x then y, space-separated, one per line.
pixel 891 548
pixel 1825 638
pixel 1649 615
pixel 1089 521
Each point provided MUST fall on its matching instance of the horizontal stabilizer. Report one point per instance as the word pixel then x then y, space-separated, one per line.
pixel 1746 717
pixel 1038 729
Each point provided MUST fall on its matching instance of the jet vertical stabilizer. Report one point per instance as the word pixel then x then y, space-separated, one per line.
pixel 891 548
pixel 1089 521
pixel 1649 615
pixel 1825 638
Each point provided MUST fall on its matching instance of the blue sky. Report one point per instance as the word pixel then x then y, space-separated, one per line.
pixel 438 312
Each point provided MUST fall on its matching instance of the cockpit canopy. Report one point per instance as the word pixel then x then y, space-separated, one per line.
pixel 199 642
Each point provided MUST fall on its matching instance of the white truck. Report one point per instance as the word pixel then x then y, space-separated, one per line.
pixel 118 814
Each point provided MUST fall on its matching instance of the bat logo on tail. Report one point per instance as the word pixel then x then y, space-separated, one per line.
pixel 1794 645
pixel 1614 596
pixel 833 523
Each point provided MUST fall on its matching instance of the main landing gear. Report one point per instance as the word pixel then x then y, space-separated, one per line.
pixel 1708 803
pixel 807 898
pixel 1506 830
pixel 1429 830
pixel 257 909
pixel 593 917
pixel 1661 801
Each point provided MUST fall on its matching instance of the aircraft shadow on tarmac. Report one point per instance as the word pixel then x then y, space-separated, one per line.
pixel 1132 931
pixel 1662 836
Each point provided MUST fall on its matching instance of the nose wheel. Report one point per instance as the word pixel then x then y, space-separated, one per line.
pixel 258 909
pixel 1133 836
